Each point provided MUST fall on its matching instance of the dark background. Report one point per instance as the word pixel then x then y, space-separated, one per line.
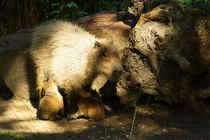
pixel 23 14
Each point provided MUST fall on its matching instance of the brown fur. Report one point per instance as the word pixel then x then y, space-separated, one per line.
pixel 72 57
pixel 91 108
pixel 17 71
pixel 51 103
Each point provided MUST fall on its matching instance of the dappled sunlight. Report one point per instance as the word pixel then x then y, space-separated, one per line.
pixel 162 93
pixel 79 125
pixel 116 120
pixel 19 117
pixel 3 107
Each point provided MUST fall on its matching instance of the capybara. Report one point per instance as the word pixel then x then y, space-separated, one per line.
pixel 91 108
pixel 51 103
pixel 72 57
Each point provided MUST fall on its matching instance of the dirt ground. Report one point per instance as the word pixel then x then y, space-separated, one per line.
pixel 155 121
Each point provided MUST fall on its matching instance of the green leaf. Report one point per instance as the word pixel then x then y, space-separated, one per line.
pixel 61 7
pixel 67 19
pixel 81 13
pixel 67 15
pixel 48 21
pixel 72 5
pixel 55 12
pixel 55 4
pixel 186 1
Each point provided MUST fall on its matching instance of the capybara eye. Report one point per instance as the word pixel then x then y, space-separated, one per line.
pixel 104 54
pixel 97 44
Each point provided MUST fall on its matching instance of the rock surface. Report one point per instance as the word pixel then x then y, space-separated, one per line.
pixel 168 56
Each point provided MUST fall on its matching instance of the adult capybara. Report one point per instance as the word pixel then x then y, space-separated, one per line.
pixel 71 57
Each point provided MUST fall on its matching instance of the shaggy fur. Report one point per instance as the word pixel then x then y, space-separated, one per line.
pixel 72 57
pixel 51 103
pixel 91 108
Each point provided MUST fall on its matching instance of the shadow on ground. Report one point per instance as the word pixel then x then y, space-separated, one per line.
pixel 155 121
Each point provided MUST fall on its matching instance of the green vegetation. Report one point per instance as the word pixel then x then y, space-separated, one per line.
pixel 183 1
pixel 71 10
pixel 190 1
pixel 16 14
pixel 66 11
pixel 117 5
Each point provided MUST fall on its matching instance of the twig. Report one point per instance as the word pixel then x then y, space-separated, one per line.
pixel 134 117
pixel 132 126
pixel 156 76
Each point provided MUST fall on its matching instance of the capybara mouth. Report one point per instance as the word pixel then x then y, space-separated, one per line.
pixel 115 76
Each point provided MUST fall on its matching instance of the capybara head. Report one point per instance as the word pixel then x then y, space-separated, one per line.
pixel 109 63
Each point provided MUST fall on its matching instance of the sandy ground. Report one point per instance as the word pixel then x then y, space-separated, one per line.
pixel 155 121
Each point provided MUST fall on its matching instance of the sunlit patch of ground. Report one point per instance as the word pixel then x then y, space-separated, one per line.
pixel 18 120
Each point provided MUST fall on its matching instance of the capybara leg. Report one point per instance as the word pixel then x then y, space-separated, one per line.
pixel 54 117
pixel 39 83
pixel 44 116
pixel 62 112
pixel 75 116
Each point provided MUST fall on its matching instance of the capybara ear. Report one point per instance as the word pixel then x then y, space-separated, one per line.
pixel 97 44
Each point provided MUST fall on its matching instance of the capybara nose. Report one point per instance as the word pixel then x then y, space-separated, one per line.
pixel 118 68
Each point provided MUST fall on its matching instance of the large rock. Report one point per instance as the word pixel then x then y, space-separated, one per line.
pixel 168 57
